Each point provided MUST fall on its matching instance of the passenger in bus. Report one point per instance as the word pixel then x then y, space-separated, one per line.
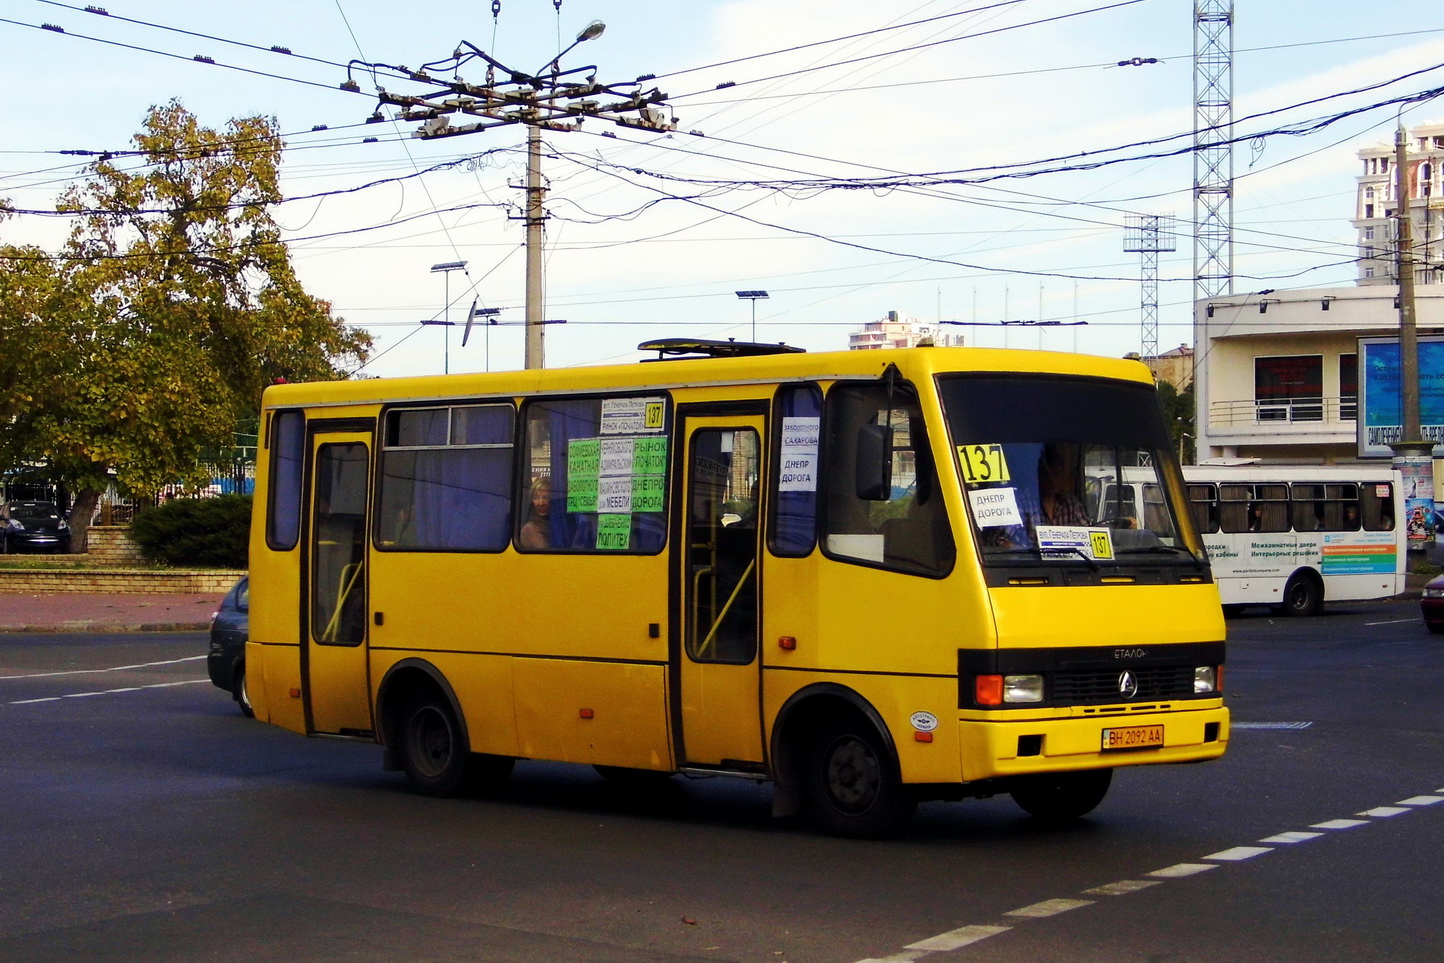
pixel 1255 518
pixel 1351 517
pixel 1058 486
pixel 536 533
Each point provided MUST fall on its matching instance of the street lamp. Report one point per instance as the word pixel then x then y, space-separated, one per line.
pixel 488 316
pixel 754 297
pixel 446 269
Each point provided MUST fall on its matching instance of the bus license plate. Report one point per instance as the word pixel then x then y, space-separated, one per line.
pixel 1133 737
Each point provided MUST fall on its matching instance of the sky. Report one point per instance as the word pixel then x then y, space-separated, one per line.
pixel 650 235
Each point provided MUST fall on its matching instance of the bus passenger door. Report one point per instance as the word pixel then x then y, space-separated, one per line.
pixel 338 694
pixel 718 569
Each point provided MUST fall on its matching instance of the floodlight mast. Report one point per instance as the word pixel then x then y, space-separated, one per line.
pixel 545 100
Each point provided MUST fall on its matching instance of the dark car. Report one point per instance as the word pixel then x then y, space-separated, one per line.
pixel 1432 603
pixel 230 627
pixel 34 527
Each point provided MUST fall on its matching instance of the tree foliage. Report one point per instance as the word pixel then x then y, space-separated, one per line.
pixel 199 532
pixel 171 306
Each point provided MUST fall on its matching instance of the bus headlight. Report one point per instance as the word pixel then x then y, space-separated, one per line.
pixel 1205 679
pixel 1022 688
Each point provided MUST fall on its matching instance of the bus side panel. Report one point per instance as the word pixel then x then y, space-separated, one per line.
pixel 605 713
pixel 896 699
pixel 273 673
pixel 482 685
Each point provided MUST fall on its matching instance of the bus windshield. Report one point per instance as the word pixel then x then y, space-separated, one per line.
pixel 1067 470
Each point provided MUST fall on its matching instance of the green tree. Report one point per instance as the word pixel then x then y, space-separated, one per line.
pixel 180 306
pixel 1178 411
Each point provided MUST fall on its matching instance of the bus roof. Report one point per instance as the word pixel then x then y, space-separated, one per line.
pixel 915 364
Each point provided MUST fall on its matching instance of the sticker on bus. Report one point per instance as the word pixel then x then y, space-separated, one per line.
pixel 994 506
pixel 982 464
pixel 1095 543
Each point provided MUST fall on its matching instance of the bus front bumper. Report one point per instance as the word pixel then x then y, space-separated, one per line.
pixel 1006 747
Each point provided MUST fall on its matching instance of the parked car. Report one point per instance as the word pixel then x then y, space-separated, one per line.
pixel 230 627
pixel 33 526
pixel 1433 604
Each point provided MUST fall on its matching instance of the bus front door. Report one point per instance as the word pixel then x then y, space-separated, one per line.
pixel 338 695
pixel 718 665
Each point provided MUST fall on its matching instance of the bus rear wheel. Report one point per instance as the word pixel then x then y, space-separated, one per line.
pixel 1303 595
pixel 1061 797
pixel 852 783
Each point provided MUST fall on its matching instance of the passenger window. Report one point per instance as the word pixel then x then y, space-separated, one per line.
pixel 595 475
pixel 902 525
pixel 288 441
pixel 798 438
pixel 446 479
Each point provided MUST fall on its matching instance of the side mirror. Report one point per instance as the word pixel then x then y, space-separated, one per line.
pixel 873 474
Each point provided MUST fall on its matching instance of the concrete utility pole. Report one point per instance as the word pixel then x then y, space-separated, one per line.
pixel 1413 456
pixel 547 99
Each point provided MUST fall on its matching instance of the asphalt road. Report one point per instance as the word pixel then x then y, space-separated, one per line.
pixel 142 817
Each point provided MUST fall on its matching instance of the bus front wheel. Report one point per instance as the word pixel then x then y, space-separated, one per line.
pixel 852 783
pixel 434 754
pixel 1061 797
pixel 1303 595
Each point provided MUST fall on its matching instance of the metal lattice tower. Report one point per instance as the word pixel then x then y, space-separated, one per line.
pixel 1148 234
pixel 1212 150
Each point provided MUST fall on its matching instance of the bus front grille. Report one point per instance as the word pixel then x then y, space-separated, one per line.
pixel 1092 686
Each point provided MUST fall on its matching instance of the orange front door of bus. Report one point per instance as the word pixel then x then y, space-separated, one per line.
pixel 337 690
pixel 718 558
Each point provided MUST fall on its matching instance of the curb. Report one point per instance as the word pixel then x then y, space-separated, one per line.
pixel 60 628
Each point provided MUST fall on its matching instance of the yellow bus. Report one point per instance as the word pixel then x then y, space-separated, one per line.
pixel 869 577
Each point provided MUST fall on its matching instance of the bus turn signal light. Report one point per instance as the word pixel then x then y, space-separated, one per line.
pixel 787 642
pixel 988 690
pixel 587 713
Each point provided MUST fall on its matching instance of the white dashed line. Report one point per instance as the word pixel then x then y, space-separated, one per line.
pixel 86 695
pixel 1239 853
pixel 953 939
pixel 967 935
pixel 1391 622
pixel 1123 887
pixel 1179 870
pixel 1291 837
pixel 113 668
pixel 1049 907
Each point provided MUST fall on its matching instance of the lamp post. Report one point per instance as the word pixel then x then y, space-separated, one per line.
pixel 754 297
pixel 446 269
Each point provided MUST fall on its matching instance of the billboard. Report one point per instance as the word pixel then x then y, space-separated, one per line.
pixel 1379 421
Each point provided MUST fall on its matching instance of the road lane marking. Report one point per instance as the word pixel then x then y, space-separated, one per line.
pixel 113 668
pixel 953 939
pixel 86 695
pixel 1292 836
pixel 1123 887
pixel 1420 801
pixel 1383 812
pixel 1049 907
pixel 1179 870
pixel 1391 622
pixel 1269 725
pixel 1340 824
pixel 1240 853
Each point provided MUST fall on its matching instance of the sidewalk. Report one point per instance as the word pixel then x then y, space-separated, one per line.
pixel 81 612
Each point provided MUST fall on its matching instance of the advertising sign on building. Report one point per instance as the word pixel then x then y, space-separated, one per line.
pixel 1380 423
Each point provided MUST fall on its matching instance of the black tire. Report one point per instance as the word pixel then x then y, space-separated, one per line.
pixel 1437 628
pixel 851 782
pixel 432 747
pixel 1062 797
pixel 1233 610
pixel 242 695
pixel 434 754
pixel 1303 595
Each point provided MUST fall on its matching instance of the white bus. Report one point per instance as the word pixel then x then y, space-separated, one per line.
pixel 1288 536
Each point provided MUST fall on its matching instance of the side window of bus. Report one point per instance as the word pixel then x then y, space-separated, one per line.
pixel 446 479
pixel 882 505
pixel 1376 506
pixel 288 448
pixel 798 434
pixel 1325 508
pixel 1254 508
pixel 1203 505
pixel 595 475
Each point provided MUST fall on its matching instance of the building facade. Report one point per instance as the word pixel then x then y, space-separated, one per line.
pixel 897 331
pixel 1377 203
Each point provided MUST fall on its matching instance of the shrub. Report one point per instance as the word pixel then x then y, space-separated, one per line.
pixel 202 532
